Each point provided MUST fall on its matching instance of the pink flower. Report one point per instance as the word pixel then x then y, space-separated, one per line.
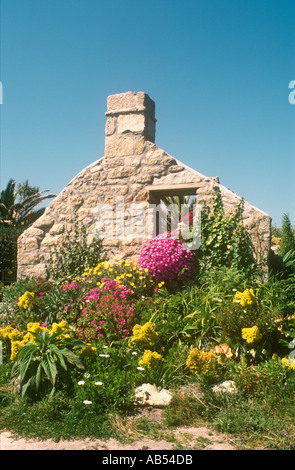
pixel 166 258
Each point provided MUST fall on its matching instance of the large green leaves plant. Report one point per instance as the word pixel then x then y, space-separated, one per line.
pixel 41 363
pixel 225 239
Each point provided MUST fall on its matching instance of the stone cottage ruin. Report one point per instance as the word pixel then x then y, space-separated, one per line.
pixel 132 170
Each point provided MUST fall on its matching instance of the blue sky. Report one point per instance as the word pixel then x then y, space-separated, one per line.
pixel 218 71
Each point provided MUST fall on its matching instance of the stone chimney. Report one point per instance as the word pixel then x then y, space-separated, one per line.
pixel 130 122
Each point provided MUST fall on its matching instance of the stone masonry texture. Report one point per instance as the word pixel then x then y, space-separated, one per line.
pixel 132 170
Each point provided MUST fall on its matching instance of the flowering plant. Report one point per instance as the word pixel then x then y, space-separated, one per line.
pixel 145 335
pixel 246 298
pixel 200 362
pixel 15 339
pixel 166 258
pixel 150 359
pixel 26 300
pixel 126 273
pixel 251 334
pixel 49 357
pixel 108 382
pixel 108 312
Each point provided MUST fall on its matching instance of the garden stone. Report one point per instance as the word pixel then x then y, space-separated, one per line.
pixel 228 386
pixel 147 395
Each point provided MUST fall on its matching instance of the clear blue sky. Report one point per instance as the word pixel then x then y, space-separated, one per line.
pixel 218 71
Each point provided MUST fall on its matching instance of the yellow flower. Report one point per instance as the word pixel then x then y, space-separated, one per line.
pixel 251 334
pixel 246 298
pixel 88 350
pixel 15 335
pixel 15 347
pixel 200 361
pixel 59 327
pixel 4 332
pixel 34 327
pixel 29 338
pixel 145 334
pixel 150 359
pixel 26 299
pixel 287 362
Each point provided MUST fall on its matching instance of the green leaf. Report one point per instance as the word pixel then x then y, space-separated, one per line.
pixel 49 368
pixel 72 358
pixel 38 376
pixel 59 354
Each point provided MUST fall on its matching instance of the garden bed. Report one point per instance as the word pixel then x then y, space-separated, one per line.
pixel 75 349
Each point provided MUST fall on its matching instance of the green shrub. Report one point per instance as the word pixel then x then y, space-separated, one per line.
pixel 225 241
pixel 288 240
pixel 18 314
pixel 8 247
pixel 261 337
pixel 41 364
pixel 69 260
pixel 109 381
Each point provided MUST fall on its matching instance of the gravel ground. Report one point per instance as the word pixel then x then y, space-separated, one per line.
pixel 199 438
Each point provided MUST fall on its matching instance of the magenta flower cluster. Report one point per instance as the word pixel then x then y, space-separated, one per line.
pixel 71 286
pixel 108 312
pixel 166 258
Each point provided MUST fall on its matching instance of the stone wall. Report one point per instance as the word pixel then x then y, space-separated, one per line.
pixel 133 169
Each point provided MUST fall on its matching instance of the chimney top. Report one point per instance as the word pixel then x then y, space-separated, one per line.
pixel 131 113
pixel 130 102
